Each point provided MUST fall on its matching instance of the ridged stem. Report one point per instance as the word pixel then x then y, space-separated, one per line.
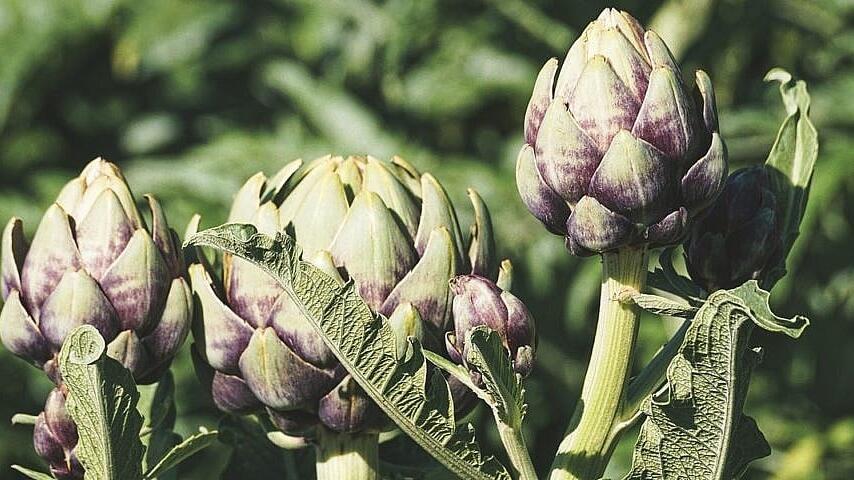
pixel 514 444
pixel 585 450
pixel 342 456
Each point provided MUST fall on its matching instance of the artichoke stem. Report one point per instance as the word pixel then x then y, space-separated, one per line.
pixel 514 444
pixel 588 443
pixel 342 456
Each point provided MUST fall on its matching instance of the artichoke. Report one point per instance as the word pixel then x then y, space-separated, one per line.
pixel 617 152
pixel 94 261
pixel 389 228
pixel 55 438
pixel 739 239
pixel 479 301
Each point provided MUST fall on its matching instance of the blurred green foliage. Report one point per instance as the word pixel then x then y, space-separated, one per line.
pixel 193 96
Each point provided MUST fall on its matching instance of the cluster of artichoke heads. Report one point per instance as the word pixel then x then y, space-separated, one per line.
pixel 618 151
pixel 381 223
pixel 93 261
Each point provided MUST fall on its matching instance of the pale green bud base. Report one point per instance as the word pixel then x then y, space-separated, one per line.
pixel 342 456
pixel 584 452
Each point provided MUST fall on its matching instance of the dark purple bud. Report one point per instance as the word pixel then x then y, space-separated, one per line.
pixel 739 237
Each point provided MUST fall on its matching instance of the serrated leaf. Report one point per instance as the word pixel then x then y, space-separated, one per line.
pixel 32 473
pixel 487 356
pixel 695 427
pixel 661 305
pixel 757 301
pixel 102 399
pixel 181 452
pixel 791 163
pixel 417 400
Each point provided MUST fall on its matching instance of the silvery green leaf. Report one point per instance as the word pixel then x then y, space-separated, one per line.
pixel 660 305
pixel 487 356
pixel 757 299
pixel 32 473
pixel 181 452
pixel 157 407
pixel 102 399
pixel 791 161
pixel 695 427
pixel 417 400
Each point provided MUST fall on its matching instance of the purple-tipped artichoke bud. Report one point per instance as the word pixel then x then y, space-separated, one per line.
pixel 94 261
pixel 617 150
pixel 739 238
pixel 479 301
pixel 390 229
pixel 55 438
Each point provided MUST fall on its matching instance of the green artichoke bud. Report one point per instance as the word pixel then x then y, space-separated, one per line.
pixel 94 261
pixel 55 438
pixel 479 301
pixel 739 239
pixel 617 152
pixel 389 228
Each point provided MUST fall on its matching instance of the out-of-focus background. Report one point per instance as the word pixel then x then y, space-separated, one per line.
pixel 193 96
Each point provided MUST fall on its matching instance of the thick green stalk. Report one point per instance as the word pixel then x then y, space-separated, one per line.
pixel 342 456
pixel 514 444
pixel 585 450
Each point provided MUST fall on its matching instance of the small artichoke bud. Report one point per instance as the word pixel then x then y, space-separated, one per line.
pixel 479 301
pixel 390 229
pixel 55 438
pixel 739 239
pixel 617 151
pixel 94 261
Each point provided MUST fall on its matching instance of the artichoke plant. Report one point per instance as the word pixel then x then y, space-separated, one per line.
pixel 94 261
pixel 389 228
pixel 617 151
pixel 478 301
pixel 55 438
pixel 739 239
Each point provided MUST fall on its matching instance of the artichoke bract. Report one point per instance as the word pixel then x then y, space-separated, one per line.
pixel 55 438
pixel 739 239
pixel 94 261
pixel 478 301
pixel 617 151
pixel 381 223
